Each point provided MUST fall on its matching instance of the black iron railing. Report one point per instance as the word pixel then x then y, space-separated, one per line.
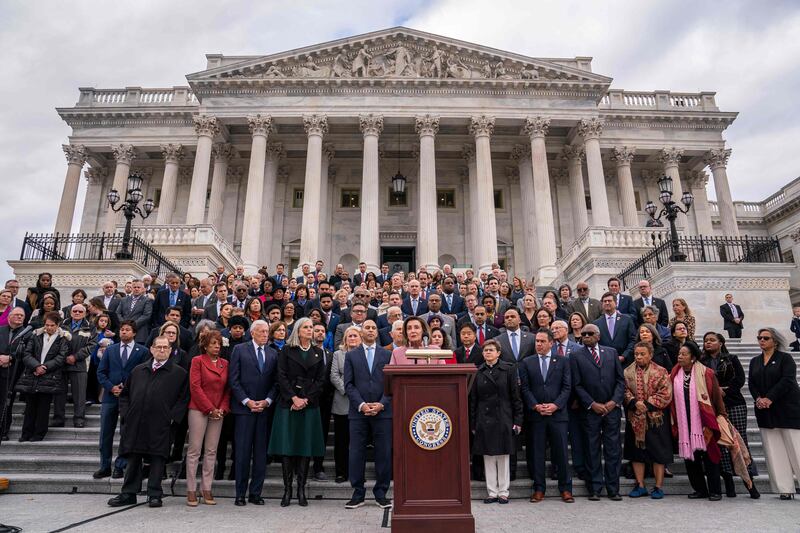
pixel 700 249
pixel 92 247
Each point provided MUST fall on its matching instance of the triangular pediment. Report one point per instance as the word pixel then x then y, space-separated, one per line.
pixel 399 55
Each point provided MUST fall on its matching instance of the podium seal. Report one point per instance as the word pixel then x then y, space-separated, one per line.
pixel 430 428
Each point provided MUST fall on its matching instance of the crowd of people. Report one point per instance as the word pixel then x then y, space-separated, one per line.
pixel 263 363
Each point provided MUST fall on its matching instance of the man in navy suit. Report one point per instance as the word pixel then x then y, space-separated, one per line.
pixel 647 298
pixel 172 296
pixel 384 276
pixel 623 302
pixel 452 302
pixel 112 372
pixel 617 330
pixel 598 380
pixel 414 304
pixel 370 415
pixel 545 385
pixel 252 376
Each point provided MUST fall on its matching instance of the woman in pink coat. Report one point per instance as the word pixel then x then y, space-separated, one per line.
pixel 415 333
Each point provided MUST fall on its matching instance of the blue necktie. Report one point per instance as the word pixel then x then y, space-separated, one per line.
pixel 544 367
pixel 261 362
pixel 450 302
pixel 611 322
pixel 370 358
pixel 514 346
pixel 173 296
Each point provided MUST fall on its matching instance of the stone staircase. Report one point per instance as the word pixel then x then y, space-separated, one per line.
pixel 65 460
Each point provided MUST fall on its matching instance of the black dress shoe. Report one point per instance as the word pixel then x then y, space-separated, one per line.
pixel 593 497
pixel 615 497
pixel 240 501
pixel 121 500
pixel 118 473
pixel 697 496
pixel 255 500
pixel 714 497
pixel 155 501
pixel 490 500
pixel 103 472
pixel 340 479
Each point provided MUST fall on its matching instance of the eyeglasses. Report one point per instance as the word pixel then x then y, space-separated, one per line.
pixel 587 333
pixel 582 289
pixel 763 338
pixel 159 348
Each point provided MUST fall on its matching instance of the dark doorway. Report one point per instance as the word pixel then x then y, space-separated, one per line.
pixel 399 258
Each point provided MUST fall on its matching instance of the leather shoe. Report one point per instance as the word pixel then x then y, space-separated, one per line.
pixel 118 473
pixel 593 497
pixel 567 497
pixel 615 497
pixel 697 496
pixel 255 500
pixel 537 496
pixel 121 500
pixel 714 497
pixel 490 500
pixel 240 501
pixel 154 502
pixel 103 472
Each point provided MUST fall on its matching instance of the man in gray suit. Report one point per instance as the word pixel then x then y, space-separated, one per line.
pixel 589 307
pixel 435 309
pixel 515 344
pixel 207 297
pixel 211 311
pixel 137 307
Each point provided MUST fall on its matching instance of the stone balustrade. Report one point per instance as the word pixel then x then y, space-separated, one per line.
pixel 659 100
pixel 743 209
pixel 611 237
pixel 136 96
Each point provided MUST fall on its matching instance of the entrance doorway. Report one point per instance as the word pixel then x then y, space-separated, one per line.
pixel 399 258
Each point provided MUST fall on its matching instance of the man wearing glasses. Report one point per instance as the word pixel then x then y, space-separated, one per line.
pixel 583 304
pixel 82 341
pixel 358 314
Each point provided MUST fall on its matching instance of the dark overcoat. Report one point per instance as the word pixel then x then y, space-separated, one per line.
pixel 495 406
pixel 298 376
pixel 50 382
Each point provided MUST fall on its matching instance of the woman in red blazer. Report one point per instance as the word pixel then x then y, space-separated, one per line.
pixel 210 402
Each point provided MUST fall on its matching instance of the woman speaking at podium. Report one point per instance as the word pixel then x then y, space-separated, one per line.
pixel 415 335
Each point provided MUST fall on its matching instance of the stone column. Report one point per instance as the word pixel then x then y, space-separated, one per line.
pixel 173 153
pixel 260 127
pixel 316 127
pixel 222 153
pixel 328 153
pixel 671 158
pixel 536 128
pixel 124 154
pixel 76 157
pixel 482 127
pixel 627 200
pixel 590 130
pixel 697 180
pixel 717 159
pixel 468 153
pixel 206 127
pixel 427 220
pixel 521 154
pixel 369 248
pixel 275 153
pixel 573 154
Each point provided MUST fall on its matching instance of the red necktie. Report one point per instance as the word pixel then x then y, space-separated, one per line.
pixel 596 356
pixel 560 349
pixel 480 336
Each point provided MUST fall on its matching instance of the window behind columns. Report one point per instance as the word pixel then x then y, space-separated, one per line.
pixel 445 198
pixel 397 199
pixel 297 198
pixel 351 198
pixel 498 199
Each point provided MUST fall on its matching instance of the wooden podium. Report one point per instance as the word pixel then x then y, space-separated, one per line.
pixel 430 439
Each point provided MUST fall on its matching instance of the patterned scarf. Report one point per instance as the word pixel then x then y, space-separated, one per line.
pixel 652 386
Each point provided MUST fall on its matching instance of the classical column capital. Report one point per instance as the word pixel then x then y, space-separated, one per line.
pixel 623 155
pixel 206 125
pixel 572 152
pixel 76 154
pixel 371 124
pixel 123 153
pixel 95 175
pixel 536 127
pixel 468 152
pixel 696 179
pixel 260 124
pixel 223 152
pixel 329 151
pixel 172 153
pixel 717 157
pixel 559 175
pixel 317 124
pixel 426 125
pixel 520 153
pixel 590 128
pixel 481 126
pixel 670 156
pixel 275 150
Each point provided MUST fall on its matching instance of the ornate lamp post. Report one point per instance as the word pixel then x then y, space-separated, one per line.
pixel 399 183
pixel 671 210
pixel 130 208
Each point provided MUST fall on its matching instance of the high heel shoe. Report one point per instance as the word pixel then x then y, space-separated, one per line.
pixel 754 494
pixel 208 498
pixel 787 497
pixel 191 498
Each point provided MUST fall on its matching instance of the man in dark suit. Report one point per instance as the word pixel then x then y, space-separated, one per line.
pixel 113 371
pixel 185 337
pixel 277 279
pixel 253 380
pixel 172 296
pixel 359 312
pixel 732 316
pixel 211 311
pixel 139 308
pixel 384 275
pixel 370 416
pixel 240 298
pixel 393 314
pixel 546 383
pixel 360 296
pixel 617 331
pixel 12 344
pixel 599 383
pixel 360 276
pixel 484 330
pixel 395 300
pixel 306 271
pixel 583 304
pixel 647 298
pixel 325 398
pixel 515 344
pixel 452 302
pixel 623 301
pixel 13 286
pixel 469 351
pixel 74 375
pixel 414 304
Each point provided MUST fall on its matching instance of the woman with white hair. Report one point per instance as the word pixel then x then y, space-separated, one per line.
pixel 297 428
pixel 773 384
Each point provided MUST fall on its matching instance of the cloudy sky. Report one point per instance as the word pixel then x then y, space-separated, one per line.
pixel 747 51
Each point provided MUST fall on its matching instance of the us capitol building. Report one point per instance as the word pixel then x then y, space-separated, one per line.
pixel 415 149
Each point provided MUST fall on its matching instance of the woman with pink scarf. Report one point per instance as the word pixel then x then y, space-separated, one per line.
pixel 697 402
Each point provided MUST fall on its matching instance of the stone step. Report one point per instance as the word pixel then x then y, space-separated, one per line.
pixel 273 487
